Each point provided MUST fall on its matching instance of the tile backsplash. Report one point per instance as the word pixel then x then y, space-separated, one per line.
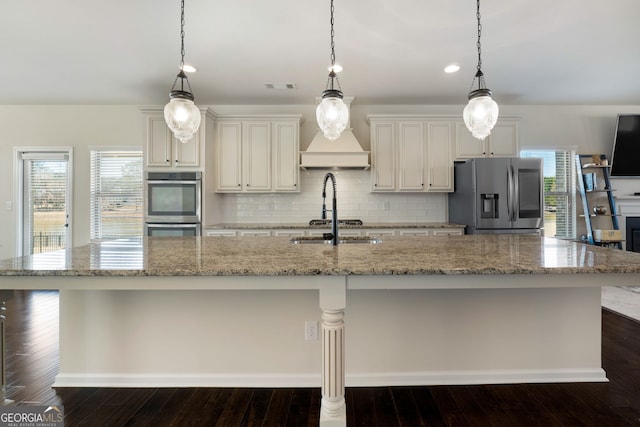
pixel 355 201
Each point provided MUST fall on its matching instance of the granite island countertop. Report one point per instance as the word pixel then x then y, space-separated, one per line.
pixel 275 256
pixel 365 226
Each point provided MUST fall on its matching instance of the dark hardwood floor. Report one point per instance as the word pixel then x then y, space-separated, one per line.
pixel 32 360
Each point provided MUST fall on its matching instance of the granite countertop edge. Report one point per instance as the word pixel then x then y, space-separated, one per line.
pixel 295 226
pixel 480 255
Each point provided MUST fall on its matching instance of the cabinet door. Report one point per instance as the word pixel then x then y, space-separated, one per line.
pixel 420 232
pixel 448 232
pixel 255 233
pixel 285 156
pixel 439 157
pixel 411 156
pixel 467 146
pixel 503 141
pixel 229 159
pixel 383 157
pixel 158 141
pixel 256 158
pixel 187 154
pixel 220 233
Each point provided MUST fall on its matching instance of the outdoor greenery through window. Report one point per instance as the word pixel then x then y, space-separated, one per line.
pixel 559 191
pixel 116 194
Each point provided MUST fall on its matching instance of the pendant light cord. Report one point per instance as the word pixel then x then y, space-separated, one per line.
pixel 333 46
pixel 182 34
pixel 181 75
pixel 332 81
pixel 479 74
pixel 479 34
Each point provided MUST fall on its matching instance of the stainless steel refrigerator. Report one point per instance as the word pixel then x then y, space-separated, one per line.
pixel 498 195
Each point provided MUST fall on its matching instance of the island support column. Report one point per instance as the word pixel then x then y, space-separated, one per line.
pixel 332 303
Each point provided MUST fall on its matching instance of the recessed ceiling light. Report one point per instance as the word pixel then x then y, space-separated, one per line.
pixel 188 68
pixel 453 68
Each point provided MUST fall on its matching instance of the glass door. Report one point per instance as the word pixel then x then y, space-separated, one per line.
pixel 45 201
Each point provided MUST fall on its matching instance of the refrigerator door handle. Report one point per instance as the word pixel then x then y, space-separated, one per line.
pixel 516 194
pixel 509 193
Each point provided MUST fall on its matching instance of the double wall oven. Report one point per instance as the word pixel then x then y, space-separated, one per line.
pixel 172 204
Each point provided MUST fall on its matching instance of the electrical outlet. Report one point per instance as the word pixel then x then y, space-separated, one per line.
pixel 386 205
pixel 8 205
pixel 311 330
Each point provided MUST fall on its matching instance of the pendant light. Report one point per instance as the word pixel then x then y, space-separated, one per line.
pixel 181 114
pixel 481 113
pixel 332 113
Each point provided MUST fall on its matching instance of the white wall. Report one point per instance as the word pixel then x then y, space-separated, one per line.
pixel 589 128
pixel 76 126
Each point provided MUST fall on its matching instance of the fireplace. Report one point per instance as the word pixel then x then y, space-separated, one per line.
pixel 633 233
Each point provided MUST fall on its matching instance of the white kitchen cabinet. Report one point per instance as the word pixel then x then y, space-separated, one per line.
pixel 379 232
pixel 285 148
pixel 254 233
pixel 257 155
pixel 288 233
pixel 383 156
pixel 503 141
pixel 229 156
pixel 163 150
pixel 220 233
pixel 411 154
pixel 447 231
pixel 414 232
pixel 411 150
pixel 439 156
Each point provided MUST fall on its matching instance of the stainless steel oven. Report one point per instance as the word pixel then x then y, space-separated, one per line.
pixel 173 197
pixel 173 203
pixel 171 230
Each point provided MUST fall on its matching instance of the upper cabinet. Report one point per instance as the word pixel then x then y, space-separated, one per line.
pixel 411 154
pixel 503 141
pixel 257 154
pixel 440 156
pixel 163 150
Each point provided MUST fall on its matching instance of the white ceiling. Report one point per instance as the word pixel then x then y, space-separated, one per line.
pixel 392 51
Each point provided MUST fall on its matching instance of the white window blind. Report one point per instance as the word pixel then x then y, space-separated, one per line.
pixel 559 191
pixel 45 201
pixel 116 194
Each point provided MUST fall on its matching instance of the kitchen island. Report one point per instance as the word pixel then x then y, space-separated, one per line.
pixel 231 311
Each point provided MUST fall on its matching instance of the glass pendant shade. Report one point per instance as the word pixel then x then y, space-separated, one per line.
pixel 332 115
pixel 480 115
pixel 182 117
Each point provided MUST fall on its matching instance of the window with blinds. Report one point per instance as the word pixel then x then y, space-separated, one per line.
pixel 559 191
pixel 45 201
pixel 116 194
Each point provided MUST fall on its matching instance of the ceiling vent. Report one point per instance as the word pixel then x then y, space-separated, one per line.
pixel 280 86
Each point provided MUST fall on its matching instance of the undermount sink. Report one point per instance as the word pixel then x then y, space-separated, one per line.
pixel 342 240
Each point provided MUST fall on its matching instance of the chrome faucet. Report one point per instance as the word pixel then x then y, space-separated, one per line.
pixel 334 210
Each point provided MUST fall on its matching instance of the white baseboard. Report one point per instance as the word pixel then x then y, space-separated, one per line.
pixel 515 376
pixel 351 380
